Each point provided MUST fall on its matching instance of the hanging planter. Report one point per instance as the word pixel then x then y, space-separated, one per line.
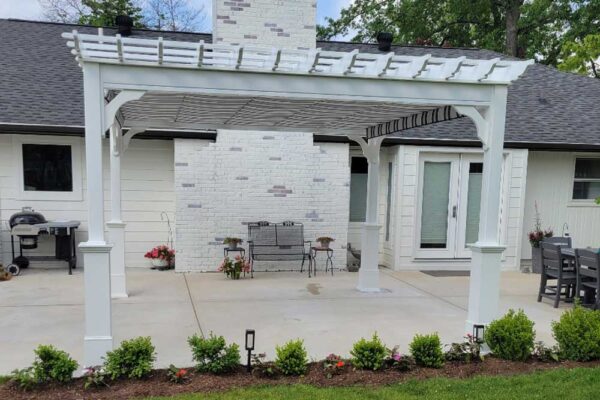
pixel 161 257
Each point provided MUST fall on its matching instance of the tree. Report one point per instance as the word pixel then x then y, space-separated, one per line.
pixel 105 12
pixel 173 15
pixel 519 28
pixel 582 56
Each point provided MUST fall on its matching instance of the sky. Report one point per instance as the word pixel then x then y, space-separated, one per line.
pixel 31 9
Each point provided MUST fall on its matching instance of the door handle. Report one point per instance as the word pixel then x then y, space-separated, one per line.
pixel 453 211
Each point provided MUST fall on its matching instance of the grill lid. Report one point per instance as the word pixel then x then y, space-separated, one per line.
pixel 26 216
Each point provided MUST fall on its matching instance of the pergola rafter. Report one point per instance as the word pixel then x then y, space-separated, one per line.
pixel 159 84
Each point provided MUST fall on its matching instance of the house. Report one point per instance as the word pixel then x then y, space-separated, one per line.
pixel 210 184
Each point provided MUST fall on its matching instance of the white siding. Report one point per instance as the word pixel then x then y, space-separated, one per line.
pixel 147 185
pixel 550 184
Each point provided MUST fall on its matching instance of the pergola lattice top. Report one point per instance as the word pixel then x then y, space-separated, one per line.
pixel 135 51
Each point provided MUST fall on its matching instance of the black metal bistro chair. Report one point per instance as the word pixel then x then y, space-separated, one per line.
pixel 555 267
pixel 588 277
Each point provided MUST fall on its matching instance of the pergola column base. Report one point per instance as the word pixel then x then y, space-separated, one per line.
pixel 118 279
pixel 98 321
pixel 368 274
pixel 484 284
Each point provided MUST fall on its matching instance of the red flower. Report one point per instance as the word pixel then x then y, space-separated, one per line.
pixel 340 364
pixel 181 373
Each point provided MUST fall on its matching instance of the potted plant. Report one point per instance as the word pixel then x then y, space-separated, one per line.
pixel 535 238
pixel 162 257
pixel 324 241
pixel 232 242
pixel 234 268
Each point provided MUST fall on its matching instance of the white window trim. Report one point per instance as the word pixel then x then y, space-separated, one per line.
pixel 76 162
pixel 581 202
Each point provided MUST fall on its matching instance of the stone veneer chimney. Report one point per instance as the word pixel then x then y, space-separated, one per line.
pixel 277 23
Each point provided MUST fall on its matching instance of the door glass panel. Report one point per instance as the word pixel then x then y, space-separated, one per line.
pixel 434 212
pixel 358 189
pixel 473 202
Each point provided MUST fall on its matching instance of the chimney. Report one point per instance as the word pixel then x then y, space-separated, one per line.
pixel 124 25
pixel 384 41
pixel 282 23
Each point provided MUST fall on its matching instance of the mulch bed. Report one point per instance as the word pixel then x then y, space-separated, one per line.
pixel 158 384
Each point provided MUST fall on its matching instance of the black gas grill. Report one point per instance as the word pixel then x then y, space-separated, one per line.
pixel 28 225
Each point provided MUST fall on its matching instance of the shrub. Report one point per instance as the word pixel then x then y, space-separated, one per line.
pixel 133 359
pixel 52 364
pixel 333 365
pixel 261 367
pixel 578 334
pixel 212 354
pixel 369 354
pixel 511 337
pixel 467 351
pixel 427 350
pixel 291 358
pixel 24 378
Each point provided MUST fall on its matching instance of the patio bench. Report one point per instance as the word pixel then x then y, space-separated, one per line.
pixel 277 242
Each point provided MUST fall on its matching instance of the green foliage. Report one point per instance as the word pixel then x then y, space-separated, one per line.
pixel 177 375
pixel 546 354
pixel 95 376
pixel 52 364
pixel 369 354
pixel 578 334
pixel 511 337
pixel 467 351
pixel 540 26
pixel 24 378
pixel 261 367
pixel 104 12
pixel 427 350
pixel 213 355
pixel 292 358
pixel 133 359
pixel 582 56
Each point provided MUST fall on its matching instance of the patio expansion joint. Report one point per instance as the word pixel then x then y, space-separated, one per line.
pixel 425 291
pixel 193 305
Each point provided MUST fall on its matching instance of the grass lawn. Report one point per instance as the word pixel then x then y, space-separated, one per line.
pixel 576 384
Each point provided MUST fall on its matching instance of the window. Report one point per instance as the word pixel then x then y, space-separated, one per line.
pixel 587 179
pixel 358 189
pixel 388 205
pixel 47 168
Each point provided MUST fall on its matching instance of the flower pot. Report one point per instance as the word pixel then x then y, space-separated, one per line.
pixel 325 244
pixel 159 263
pixel 536 260
pixel 233 246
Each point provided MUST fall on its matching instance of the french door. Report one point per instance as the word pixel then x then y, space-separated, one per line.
pixel 449 203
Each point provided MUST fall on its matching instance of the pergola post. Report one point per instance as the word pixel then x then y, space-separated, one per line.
pixel 116 227
pixel 368 274
pixel 96 252
pixel 486 259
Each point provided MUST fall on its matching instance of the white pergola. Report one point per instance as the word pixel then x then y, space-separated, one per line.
pixel 131 85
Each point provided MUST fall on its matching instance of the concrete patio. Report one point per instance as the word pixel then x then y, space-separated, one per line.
pixel 46 306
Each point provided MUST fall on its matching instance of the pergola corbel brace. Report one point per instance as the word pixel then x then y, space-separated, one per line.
pixel 121 140
pixel 479 119
pixel 112 108
pixel 370 148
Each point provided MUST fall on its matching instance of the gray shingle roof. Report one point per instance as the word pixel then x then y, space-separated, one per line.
pixel 41 85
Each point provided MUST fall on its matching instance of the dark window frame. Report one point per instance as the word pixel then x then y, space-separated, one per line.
pixel 579 189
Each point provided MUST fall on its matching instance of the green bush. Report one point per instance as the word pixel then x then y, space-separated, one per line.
pixel 427 350
pixel 133 359
pixel 369 354
pixel 24 378
pixel 213 355
pixel 578 334
pixel 291 358
pixel 511 337
pixel 52 364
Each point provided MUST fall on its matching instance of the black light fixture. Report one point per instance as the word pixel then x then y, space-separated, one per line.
pixel 249 347
pixel 478 331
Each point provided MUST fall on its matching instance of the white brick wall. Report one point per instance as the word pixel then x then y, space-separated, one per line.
pixel 253 176
pixel 278 23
